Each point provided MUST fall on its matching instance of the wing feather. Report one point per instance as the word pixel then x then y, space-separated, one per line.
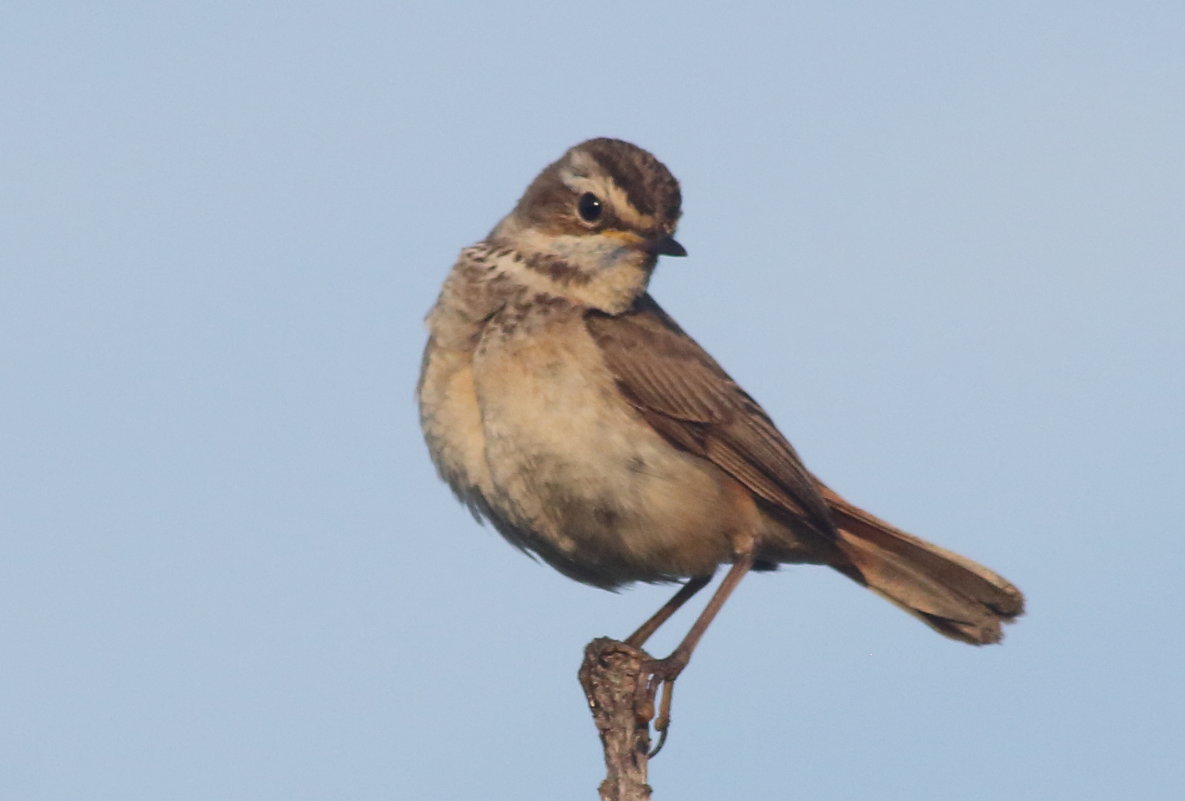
pixel 689 399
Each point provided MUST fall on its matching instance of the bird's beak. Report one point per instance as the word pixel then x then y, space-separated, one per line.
pixel 667 246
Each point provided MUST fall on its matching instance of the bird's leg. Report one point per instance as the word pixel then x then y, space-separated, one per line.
pixel 690 588
pixel 663 672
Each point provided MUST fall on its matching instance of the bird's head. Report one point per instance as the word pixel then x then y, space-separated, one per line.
pixel 595 222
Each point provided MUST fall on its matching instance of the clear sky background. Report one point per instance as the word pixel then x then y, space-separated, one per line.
pixel 942 243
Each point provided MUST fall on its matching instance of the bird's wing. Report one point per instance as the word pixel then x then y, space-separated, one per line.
pixel 689 399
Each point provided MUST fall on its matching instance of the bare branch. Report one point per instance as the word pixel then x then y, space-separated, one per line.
pixel 610 676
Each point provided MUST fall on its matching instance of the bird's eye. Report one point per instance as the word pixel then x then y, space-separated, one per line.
pixel 589 207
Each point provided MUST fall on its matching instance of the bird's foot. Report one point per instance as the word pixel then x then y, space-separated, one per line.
pixel 659 674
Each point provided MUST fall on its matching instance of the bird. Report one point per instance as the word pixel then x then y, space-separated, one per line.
pixel 564 406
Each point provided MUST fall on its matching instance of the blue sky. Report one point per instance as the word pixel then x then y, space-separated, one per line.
pixel 941 243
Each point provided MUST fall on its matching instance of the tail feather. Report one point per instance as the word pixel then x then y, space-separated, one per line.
pixel 950 593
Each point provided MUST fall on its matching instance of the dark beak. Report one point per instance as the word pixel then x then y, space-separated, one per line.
pixel 667 246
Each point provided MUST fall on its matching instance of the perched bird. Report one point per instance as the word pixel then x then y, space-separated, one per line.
pixel 562 404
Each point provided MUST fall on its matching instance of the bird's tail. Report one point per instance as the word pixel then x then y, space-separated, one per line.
pixel 950 593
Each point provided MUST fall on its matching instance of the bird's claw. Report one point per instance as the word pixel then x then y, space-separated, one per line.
pixel 659 673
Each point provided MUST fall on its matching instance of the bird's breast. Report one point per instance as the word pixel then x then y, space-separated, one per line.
pixel 573 463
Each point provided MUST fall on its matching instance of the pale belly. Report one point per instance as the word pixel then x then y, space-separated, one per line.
pixel 578 477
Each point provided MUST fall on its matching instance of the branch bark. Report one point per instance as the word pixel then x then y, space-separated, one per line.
pixel 610 675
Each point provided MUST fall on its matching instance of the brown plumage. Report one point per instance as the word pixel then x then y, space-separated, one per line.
pixel 562 404
pixel 686 396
